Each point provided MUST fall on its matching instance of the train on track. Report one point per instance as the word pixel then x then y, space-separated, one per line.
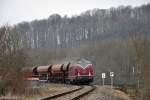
pixel 80 71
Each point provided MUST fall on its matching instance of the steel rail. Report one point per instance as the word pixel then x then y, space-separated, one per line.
pixel 85 93
pixel 61 94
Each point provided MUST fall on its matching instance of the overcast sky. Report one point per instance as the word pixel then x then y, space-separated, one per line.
pixel 14 11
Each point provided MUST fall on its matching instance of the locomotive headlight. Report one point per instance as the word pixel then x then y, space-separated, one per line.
pixel 89 73
pixel 78 74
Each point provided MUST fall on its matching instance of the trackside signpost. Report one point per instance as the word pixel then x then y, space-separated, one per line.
pixel 111 76
pixel 103 78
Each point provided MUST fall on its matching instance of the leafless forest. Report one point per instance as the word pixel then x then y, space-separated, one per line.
pixel 115 39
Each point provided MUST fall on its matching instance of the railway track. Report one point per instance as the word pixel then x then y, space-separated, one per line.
pixel 84 93
pixel 73 94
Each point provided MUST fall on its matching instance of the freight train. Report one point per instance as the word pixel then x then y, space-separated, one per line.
pixel 80 71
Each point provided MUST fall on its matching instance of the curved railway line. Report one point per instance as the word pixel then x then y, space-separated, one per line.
pixel 73 94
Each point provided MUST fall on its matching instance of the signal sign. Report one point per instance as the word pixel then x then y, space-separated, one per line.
pixel 111 74
pixel 103 75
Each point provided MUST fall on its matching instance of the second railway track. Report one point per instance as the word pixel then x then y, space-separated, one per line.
pixel 73 94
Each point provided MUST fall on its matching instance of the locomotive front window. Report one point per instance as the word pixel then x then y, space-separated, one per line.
pixel 83 62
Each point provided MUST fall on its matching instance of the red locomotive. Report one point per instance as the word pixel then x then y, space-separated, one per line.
pixel 81 71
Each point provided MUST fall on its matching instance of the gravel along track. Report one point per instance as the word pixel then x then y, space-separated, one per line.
pixel 84 90
pixel 106 93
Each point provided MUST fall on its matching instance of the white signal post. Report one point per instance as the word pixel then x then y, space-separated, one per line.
pixel 103 78
pixel 111 76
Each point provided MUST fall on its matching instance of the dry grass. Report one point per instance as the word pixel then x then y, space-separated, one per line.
pixel 114 92
pixel 46 91
pixel 122 95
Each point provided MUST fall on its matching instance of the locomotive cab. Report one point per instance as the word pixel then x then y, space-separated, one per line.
pixel 81 72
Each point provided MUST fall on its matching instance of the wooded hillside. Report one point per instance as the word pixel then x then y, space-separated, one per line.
pixel 115 39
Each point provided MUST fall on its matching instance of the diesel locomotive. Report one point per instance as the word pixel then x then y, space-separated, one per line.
pixel 80 71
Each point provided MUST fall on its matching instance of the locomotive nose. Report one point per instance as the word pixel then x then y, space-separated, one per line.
pixel 84 70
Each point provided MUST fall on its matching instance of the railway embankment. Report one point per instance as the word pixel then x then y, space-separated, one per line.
pixel 41 92
pixel 62 91
pixel 106 93
pixel 51 90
